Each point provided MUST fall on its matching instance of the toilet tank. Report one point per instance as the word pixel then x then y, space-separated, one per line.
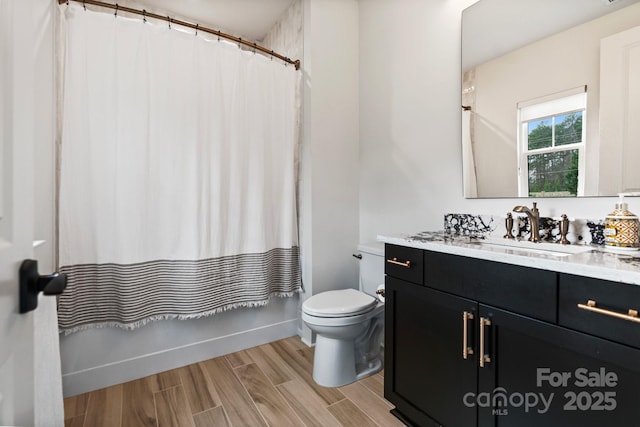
pixel 371 266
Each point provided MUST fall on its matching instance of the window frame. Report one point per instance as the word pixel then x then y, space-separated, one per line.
pixel 566 102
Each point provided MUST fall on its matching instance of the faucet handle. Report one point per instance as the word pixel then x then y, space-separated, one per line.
pixel 508 223
pixel 564 230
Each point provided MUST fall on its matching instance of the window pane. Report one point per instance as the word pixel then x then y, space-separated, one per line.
pixel 539 133
pixel 553 174
pixel 568 128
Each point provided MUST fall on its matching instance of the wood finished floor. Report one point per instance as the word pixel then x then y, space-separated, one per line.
pixel 268 385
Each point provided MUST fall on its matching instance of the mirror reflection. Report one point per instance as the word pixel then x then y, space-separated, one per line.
pixel 551 98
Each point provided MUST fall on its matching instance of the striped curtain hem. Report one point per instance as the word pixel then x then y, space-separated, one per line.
pixel 131 295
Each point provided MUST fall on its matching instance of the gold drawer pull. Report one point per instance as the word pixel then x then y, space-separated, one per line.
pixel 466 350
pixel 632 315
pixel 484 358
pixel 406 264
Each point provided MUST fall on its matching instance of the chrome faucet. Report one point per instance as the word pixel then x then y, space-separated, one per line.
pixel 534 220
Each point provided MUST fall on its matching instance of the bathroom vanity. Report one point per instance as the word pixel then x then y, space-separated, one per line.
pixel 478 335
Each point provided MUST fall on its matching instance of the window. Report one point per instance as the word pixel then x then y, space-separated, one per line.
pixel 551 141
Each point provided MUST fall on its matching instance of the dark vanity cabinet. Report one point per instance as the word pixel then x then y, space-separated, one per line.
pixel 422 347
pixel 545 361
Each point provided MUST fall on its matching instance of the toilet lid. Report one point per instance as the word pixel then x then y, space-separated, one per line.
pixel 344 302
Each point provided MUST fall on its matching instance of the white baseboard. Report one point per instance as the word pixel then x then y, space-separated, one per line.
pixel 307 342
pixel 79 382
pixel 306 334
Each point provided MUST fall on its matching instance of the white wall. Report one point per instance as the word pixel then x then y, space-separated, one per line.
pixel 329 185
pixel 410 154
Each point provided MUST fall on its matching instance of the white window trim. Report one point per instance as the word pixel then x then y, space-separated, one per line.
pixel 572 100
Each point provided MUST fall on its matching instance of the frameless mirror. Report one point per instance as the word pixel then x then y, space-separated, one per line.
pixel 551 98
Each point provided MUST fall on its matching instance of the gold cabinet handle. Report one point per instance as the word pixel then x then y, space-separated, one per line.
pixel 484 358
pixel 406 264
pixel 632 315
pixel 466 350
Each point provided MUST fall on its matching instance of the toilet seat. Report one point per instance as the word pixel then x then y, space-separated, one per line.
pixel 352 319
pixel 339 303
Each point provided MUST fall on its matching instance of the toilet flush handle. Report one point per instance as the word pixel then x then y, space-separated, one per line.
pixel 359 256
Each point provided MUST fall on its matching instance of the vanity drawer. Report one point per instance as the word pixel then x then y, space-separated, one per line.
pixel 528 291
pixel 608 315
pixel 404 263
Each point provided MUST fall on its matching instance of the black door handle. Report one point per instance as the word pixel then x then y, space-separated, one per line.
pixel 52 284
pixel 32 283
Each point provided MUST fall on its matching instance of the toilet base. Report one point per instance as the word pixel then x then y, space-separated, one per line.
pixel 334 363
pixel 373 368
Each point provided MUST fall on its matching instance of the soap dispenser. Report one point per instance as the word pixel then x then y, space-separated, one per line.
pixel 621 228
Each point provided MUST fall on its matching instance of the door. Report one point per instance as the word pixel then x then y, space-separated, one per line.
pixel 428 370
pixel 30 380
pixel 619 111
pixel 541 374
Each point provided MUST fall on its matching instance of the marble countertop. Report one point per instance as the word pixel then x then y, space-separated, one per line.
pixel 596 262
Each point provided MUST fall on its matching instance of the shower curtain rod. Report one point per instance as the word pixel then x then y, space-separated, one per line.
pixel 196 27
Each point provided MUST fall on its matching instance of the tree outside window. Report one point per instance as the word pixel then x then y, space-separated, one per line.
pixel 554 171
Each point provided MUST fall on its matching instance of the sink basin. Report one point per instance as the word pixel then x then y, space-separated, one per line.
pixel 554 249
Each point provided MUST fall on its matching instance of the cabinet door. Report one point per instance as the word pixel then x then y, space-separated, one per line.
pixel 426 375
pixel 541 374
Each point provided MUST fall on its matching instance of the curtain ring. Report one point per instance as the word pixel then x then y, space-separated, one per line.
pixel 272 55
pixel 169 19
pixel 116 13
pixel 144 16
pixel 197 30
pixel 240 43
pixel 83 5
pixel 254 48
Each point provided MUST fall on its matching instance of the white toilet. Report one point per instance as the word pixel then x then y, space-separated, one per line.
pixel 349 325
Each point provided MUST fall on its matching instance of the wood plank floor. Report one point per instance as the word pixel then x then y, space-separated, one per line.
pixel 268 385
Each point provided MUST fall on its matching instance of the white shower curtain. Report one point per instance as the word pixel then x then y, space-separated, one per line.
pixel 177 178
